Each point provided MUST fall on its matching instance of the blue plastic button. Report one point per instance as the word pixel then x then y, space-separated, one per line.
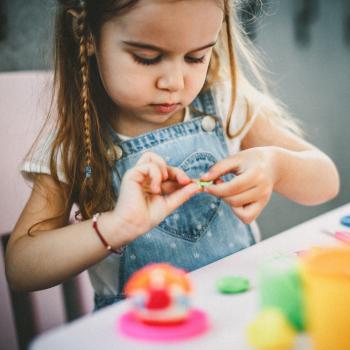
pixel 345 220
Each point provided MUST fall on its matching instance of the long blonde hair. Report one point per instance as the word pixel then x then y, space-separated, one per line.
pixel 82 141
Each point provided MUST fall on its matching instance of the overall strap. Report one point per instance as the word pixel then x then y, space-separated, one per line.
pixel 204 103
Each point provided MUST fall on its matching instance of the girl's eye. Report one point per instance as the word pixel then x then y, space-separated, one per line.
pixel 190 59
pixel 147 61
pixel 150 61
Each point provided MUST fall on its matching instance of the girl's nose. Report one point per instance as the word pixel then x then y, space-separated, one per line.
pixel 171 79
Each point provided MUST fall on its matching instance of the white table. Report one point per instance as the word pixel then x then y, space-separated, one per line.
pixel 229 314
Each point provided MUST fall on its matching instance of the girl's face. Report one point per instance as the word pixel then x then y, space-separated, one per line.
pixel 154 59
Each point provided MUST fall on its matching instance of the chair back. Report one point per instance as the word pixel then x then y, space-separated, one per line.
pixel 24 104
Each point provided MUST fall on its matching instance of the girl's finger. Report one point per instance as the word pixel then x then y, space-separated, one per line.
pixel 177 198
pixel 168 187
pixel 177 178
pixel 151 176
pixel 222 167
pixel 244 198
pixel 249 212
pixel 150 157
pixel 177 174
pixel 235 186
pixel 218 181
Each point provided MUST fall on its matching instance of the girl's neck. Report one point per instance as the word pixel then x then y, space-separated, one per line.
pixel 133 127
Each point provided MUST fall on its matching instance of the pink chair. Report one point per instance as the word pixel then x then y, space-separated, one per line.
pixel 24 101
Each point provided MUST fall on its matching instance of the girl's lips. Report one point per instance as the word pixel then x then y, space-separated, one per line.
pixel 165 108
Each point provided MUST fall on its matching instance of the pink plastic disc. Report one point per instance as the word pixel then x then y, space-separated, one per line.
pixel 196 323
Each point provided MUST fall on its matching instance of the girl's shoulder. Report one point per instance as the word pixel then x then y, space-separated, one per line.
pixel 37 161
pixel 246 108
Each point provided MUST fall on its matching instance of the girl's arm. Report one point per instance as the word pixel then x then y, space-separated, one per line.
pixel 273 159
pixel 302 172
pixel 60 250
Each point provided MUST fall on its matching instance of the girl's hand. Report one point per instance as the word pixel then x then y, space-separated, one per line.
pixel 149 192
pixel 249 191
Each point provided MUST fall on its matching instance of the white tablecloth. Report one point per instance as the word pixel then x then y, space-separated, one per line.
pixel 228 314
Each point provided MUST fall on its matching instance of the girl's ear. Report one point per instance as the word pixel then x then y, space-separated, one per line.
pixel 90 39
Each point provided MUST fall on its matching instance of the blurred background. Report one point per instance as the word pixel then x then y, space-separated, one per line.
pixel 306 47
pixel 304 43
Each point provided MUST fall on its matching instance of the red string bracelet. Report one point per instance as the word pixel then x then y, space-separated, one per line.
pixel 104 242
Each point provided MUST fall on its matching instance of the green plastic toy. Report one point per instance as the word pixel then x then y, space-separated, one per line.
pixel 280 287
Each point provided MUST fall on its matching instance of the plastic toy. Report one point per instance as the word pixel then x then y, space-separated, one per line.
pixel 326 276
pixel 312 294
pixel 280 287
pixel 271 331
pixel 160 305
pixel 345 220
pixel 343 236
pixel 159 294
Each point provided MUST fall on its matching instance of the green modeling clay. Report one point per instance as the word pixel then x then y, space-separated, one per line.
pixel 232 284
pixel 203 183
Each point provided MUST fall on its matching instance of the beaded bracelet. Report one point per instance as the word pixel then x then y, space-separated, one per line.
pixel 118 251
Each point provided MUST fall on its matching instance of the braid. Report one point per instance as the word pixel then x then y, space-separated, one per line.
pixel 84 70
pixel 86 190
pixel 82 140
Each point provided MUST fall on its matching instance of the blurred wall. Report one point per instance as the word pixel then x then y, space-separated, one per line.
pixel 313 80
pixel 25 34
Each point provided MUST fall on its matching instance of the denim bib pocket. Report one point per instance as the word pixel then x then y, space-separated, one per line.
pixel 191 220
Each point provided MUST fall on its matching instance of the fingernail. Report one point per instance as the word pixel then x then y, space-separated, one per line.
pixel 205 176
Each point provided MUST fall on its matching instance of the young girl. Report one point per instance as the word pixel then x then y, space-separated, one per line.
pixel 150 96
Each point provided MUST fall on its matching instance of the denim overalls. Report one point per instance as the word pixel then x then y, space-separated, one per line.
pixel 202 230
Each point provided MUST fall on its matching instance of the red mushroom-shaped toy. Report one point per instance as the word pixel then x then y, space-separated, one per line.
pixel 159 294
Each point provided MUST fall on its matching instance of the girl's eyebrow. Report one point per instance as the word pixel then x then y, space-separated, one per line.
pixel 157 48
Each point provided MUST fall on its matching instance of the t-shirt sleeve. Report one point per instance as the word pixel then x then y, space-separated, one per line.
pixel 38 159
